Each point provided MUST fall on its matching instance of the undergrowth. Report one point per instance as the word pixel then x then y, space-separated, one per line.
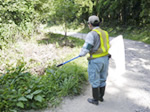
pixel 20 90
pixel 133 33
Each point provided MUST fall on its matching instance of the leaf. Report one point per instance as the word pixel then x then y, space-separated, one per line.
pixel 36 92
pixel 75 90
pixel 13 110
pixel 28 91
pixel 38 98
pixel 22 99
pixel 29 96
pixel 20 104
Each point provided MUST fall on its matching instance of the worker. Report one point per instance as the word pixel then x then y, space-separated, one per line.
pixel 97 45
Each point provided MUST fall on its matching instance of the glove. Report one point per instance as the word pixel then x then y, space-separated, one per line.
pixel 109 56
pixel 83 52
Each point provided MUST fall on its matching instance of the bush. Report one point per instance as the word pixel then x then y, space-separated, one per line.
pixel 17 19
pixel 21 90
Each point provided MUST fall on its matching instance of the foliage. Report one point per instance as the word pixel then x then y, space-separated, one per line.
pixel 137 34
pixel 133 12
pixel 18 19
pixel 16 16
pixel 131 32
pixel 66 12
pixel 85 9
pixel 21 90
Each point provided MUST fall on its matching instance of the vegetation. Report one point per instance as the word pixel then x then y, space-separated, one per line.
pixel 131 32
pixel 20 21
pixel 21 90
pixel 133 12
pixel 60 41
pixel 138 34
pixel 17 19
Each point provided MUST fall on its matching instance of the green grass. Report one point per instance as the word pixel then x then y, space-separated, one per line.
pixel 61 41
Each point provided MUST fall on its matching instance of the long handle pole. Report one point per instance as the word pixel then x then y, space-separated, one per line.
pixel 68 61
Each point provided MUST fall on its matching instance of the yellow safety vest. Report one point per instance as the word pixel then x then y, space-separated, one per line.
pixel 104 44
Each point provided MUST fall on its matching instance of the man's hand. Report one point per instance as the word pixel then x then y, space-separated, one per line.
pixel 109 56
pixel 83 52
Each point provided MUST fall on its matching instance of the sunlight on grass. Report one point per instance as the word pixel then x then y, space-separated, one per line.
pixel 59 28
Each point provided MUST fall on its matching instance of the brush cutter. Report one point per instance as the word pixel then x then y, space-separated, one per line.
pixel 68 61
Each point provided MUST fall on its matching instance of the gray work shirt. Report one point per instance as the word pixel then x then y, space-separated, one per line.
pixel 93 39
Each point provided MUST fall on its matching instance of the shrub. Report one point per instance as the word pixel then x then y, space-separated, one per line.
pixel 21 90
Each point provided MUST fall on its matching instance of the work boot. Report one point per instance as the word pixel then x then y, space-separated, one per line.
pixel 101 93
pixel 95 96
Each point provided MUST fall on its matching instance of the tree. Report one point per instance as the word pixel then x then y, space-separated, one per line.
pixel 16 18
pixel 65 12
pixel 133 12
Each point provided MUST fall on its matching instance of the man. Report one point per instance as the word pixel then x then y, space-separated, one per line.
pixel 97 45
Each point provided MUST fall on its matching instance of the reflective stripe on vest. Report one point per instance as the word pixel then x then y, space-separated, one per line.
pixel 104 44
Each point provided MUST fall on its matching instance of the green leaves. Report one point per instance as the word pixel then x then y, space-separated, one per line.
pixel 21 90
pixel 29 96
pixel 17 18
pixel 37 92
pixel 136 12
pixel 38 98
pixel 22 99
pixel 20 104
pixel 68 12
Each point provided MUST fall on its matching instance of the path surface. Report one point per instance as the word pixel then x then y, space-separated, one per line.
pixel 128 92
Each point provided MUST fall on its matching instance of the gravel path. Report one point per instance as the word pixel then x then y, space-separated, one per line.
pixel 129 92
